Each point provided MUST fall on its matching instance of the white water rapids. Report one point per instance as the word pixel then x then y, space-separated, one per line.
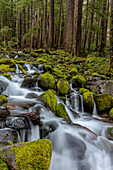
pixel 81 145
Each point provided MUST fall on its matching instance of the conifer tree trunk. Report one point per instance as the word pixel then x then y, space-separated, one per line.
pixel 62 28
pixel 111 37
pixel 103 26
pixel 23 27
pixel 45 24
pixel 69 25
pixel 18 28
pixel 51 24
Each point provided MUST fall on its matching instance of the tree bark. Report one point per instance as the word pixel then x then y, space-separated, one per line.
pixel 23 27
pixel 51 24
pixel 45 24
pixel 111 37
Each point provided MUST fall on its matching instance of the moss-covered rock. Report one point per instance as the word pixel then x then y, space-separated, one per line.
pixel 8 75
pixel 79 81
pixel 50 100
pixel 57 73
pixel 3 164
pixel 63 87
pixel 41 61
pixel 33 54
pixel 35 155
pixel 111 113
pixel 47 81
pixel 104 102
pixel 21 68
pixel 61 111
pixel 73 71
pixel 88 102
pixel 83 90
pixel 3 99
pixel 6 68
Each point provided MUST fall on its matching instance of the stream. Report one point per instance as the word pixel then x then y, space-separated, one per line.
pixel 80 145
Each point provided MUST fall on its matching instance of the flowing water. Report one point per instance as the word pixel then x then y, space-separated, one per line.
pixel 81 145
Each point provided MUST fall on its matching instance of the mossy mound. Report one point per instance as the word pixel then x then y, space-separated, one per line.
pixel 41 61
pixel 73 71
pixel 57 73
pixel 3 164
pixel 8 75
pixel 6 68
pixel 50 100
pixel 33 54
pixel 61 111
pixel 47 81
pixel 83 90
pixel 63 87
pixel 79 81
pixel 104 102
pixel 3 99
pixel 88 102
pixel 111 113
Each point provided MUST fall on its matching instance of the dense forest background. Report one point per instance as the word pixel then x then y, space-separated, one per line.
pixel 79 26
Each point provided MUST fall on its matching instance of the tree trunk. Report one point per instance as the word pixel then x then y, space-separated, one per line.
pixel 45 24
pixel 62 29
pixel 103 26
pixel 69 25
pixel 23 27
pixel 18 28
pixel 111 37
pixel 51 24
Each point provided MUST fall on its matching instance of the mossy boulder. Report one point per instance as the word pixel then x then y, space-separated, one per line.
pixel 111 113
pixel 83 90
pixel 79 81
pixel 57 73
pixel 41 61
pixel 3 99
pixel 6 68
pixel 28 155
pixel 73 71
pixel 21 68
pixel 8 75
pixel 63 87
pixel 61 111
pixel 49 100
pixel 88 102
pixel 33 54
pixel 3 164
pixel 47 81
pixel 109 133
pixel 104 103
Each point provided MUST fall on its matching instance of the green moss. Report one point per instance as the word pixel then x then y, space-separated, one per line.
pixel 104 102
pixel 3 165
pixel 6 68
pixel 8 75
pixel 110 130
pixel 21 68
pixel 79 80
pixel 58 73
pixel 61 111
pixel 73 71
pixel 41 61
pixel 83 90
pixel 34 155
pixel 47 81
pixel 63 87
pixel 50 100
pixel 111 113
pixel 3 99
pixel 33 54
pixel 88 102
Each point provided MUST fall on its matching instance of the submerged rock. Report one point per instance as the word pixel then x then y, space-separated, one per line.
pixel 50 100
pixel 104 103
pixel 63 87
pixel 88 102
pixel 4 112
pixel 8 135
pixel 16 123
pixel 46 81
pixel 28 155
pixel 28 82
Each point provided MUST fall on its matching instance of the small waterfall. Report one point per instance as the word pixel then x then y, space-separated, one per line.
pixel 35 132
pixel 82 106
pixel 75 101
pixel 17 69
pixel 94 110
